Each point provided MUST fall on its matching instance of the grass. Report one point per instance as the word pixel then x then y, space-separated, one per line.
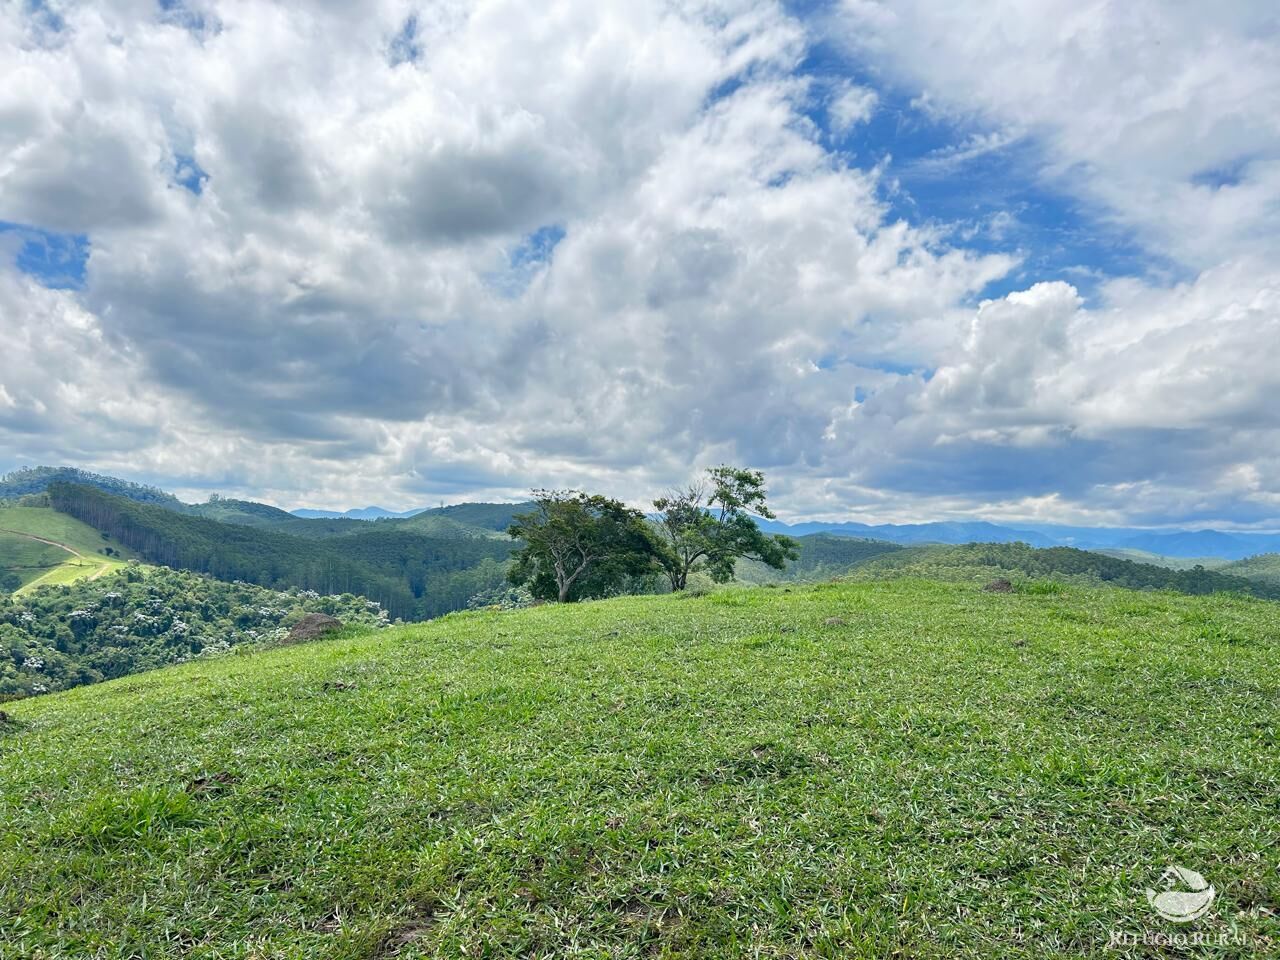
pixel 904 768
pixel 77 557
pixel 27 558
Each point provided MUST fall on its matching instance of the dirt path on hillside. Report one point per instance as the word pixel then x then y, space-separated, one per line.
pixel 52 543
pixel 102 566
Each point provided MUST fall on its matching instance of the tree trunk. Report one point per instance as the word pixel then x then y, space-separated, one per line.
pixel 565 586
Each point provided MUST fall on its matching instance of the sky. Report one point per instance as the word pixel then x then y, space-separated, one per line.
pixel 915 260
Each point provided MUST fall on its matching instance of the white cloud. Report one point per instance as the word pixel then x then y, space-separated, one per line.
pixel 350 310
pixel 850 105
pixel 1140 107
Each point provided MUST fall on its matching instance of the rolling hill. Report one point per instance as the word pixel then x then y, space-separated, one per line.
pixel 40 546
pixel 981 562
pixel 412 575
pixel 822 557
pixel 849 770
pixel 29 481
pixel 1265 566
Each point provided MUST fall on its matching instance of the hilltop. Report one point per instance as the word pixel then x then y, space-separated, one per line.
pixel 854 770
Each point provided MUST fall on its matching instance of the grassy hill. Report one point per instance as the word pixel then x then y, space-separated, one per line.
pixel 823 556
pixel 1159 560
pixel 23 559
pixel 981 562
pixel 40 547
pixel 849 770
pixel 1265 566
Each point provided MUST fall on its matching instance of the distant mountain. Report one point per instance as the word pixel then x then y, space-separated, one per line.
pixel 361 513
pixel 1181 544
pixel 978 531
pixel 487 520
pixel 489 516
pixel 1205 543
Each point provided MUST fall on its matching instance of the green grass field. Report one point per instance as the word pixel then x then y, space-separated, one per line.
pixel 27 559
pixel 906 769
pixel 19 524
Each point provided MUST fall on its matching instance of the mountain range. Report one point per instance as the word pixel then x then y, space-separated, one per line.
pixel 1133 542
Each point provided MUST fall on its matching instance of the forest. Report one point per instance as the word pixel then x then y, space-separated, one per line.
pixel 144 617
pixel 412 575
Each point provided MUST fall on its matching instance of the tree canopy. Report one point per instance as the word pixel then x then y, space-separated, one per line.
pixel 579 546
pixel 709 526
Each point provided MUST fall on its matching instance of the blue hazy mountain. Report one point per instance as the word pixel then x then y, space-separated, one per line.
pixel 945 531
pixel 361 513
pixel 1175 543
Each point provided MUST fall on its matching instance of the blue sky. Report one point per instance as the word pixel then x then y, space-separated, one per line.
pixel 1014 262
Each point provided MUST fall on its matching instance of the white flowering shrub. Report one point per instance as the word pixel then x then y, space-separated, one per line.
pixel 140 618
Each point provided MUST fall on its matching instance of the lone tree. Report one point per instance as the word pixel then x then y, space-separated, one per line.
pixel 709 526
pixel 578 545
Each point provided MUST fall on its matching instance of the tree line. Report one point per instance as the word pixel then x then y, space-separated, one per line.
pixel 412 575
pixel 577 546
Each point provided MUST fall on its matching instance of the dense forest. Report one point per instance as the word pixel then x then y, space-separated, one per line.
pixel 145 617
pixel 412 575
pixel 36 480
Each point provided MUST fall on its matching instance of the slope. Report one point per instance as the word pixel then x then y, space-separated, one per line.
pixel 40 546
pixel 229 551
pixel 851 770
pixel 36 480
pixel 411 574
pixel 138 618
pixel 980 562
pixel 822 557
pixel 1265 566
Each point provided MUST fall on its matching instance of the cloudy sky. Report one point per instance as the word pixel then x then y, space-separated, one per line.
pixel 915 259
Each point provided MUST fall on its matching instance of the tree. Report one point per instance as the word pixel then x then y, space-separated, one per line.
pixel 578 545
pixel 709 526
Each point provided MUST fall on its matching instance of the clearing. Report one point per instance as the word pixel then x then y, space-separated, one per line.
pixel 901 768
pixel 42 547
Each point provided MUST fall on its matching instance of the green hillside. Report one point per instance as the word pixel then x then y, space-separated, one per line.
pixel 73 550
pixel 1159 560
pixel 823 556
pixel 981 562
pixel 494 517
pixel 414 576
pixel 137 618
pixel 245 512
pixel 849 770
pixel 29 481
pixel 23 559
pixel 1265 567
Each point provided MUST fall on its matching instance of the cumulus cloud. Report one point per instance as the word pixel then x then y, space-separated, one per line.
pixel 405 252
pixel 851 104
pixel 1166 116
